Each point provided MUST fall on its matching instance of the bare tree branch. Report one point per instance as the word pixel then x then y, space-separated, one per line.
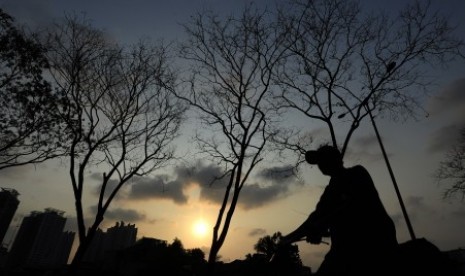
pixel 343 59
pixel 120 113
pixel 230 87
pixel 451 171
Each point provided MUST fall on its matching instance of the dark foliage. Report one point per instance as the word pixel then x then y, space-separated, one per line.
pixel 29 126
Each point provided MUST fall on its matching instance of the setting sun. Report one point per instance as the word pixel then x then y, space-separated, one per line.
pixel 200 228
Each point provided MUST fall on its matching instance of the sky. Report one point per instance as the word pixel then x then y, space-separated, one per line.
pixel 271 202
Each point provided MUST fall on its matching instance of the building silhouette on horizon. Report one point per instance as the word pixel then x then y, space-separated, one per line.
pixel 116 238
pixel 8 204
pixel 41 242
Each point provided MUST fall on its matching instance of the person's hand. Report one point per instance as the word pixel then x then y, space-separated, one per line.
pixel 314 239
pixel 285 240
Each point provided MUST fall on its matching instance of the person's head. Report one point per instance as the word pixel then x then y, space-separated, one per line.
pixel 328 159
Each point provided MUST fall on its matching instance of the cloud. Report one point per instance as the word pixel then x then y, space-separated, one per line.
pixel 459 213
pixel 129 215
pixel 212 181
pixel 275 183
pixel 71 223
pixel 270 184
pixel 448 106
pixel 365 148
pixel 277 175
pixel 415 205
pixel 366 141
pixel 111 185
pixel 170 187
pixel 415 202
pixel 15 173
pixel 255 195
pixel 397 218
pixel 120 214
pixel 35 15
pixel 444 138
pixel 157 187
pixel 257 232
pixel 452 97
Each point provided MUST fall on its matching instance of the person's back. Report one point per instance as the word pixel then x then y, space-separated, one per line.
pixel 363 237
pixel 362 214
pixel 362 233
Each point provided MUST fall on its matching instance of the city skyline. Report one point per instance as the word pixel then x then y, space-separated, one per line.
pixel 41 241
pixel 175 202
pixel 39 235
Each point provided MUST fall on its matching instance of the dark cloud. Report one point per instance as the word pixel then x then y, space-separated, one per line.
pixel 449 105
pixel 365 148
pixel 128 215
pixel 459 213
pixel 96 176
pixel 414 205
pixel 171 188
pixel 13 173
pixel 277 175
pixel 71 223
pixel 255 195
pixel 272 183
pixel 109 188
pixel 257 232
pixel 157 187
pixel 444 138
pixel 417 204
pixel 398 218
pixel 366 141
pixel 120 214
pixel 213 193
pixel 275 183
pixel 34 16
pixel 450 98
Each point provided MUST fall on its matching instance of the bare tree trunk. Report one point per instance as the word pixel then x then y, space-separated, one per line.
pixel 121 112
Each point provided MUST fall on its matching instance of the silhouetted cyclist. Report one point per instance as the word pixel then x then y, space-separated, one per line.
pixel 363 236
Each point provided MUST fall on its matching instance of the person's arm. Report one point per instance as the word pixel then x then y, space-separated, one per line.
pixel 298 233
pixel 316 225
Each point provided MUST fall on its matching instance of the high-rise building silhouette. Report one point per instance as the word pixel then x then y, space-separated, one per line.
pixel 40 241
pixel 8 204
pixel 95 251
pixel 118 237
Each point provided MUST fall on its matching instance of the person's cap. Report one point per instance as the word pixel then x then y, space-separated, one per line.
pixel 323 153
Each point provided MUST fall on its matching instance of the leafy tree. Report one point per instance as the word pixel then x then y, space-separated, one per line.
pixel 344 63
pixel 29 130
pixel 231 62
pixel 119 112
pixel 268 245
pixel 274 258
pixel 451 170
pixel 196 256
pixel 285 254
pixel 149 256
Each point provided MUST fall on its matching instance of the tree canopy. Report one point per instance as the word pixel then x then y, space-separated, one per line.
pixel 30 130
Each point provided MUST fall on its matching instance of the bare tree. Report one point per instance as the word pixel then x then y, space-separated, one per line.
pixel 230 85
pixel 451 170
pixel 345 63
pixel 119 112
pixel 29 129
